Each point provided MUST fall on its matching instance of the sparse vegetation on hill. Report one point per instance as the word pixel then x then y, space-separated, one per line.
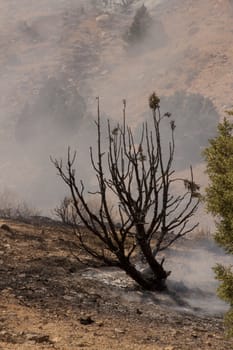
pixel 140 26
pixel 11 207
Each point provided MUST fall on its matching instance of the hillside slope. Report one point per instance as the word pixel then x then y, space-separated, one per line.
pixel 197 56
pixel 49 300
pixel 57 56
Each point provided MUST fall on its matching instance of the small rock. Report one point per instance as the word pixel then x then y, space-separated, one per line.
pixel 55 339
pixel 72 269
pixel 83 345
pixel 5 227
pixel 194 335
pixel 86 321
pixel 102 18
pixel 3 332
pixel 22 275
pixel 38 338
pixel 174 332
pixel 68 297
pixel 119 331
pixel 208 343
pixel 7 290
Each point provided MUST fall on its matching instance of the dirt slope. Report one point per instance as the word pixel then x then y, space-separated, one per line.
pixel 47 302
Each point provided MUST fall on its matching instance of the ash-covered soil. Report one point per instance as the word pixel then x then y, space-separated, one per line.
pixel 49 300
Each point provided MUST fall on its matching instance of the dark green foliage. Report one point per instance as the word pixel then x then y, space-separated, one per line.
pixel 140 26
pixel 196 119
pixel 219 194
pixel 154 101
pixel 225 291
pixel 57 110
pixel 219 200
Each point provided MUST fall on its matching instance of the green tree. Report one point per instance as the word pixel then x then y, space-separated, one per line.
pixel 140 26
pixel 219 201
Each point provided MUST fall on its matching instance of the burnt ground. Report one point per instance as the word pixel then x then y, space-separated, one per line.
pixel 48 300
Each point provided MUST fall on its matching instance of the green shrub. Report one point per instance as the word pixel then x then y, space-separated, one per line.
pixel 219 200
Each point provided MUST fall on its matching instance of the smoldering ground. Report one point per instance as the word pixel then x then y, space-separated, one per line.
pixel 191 287
pixel 193 282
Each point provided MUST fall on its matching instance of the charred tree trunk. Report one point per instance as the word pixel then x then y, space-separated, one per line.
pixel 136 275
pixel 160 275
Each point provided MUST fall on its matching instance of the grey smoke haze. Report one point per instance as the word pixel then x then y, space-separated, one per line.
pixel 193 278
pixel 42 110
pixel 50 77
pixel 191 287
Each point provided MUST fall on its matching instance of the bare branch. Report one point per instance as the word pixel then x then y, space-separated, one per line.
pixel 137 173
